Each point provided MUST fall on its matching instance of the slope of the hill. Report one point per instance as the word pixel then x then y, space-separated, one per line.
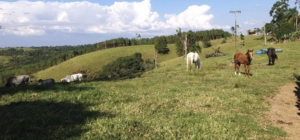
pixel 93 62
pixel 166 103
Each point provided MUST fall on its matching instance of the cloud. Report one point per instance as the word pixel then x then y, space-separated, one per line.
pixel 41 18
pixel 249 23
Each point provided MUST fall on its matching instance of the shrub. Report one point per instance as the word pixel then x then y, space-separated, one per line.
pixel 124 67
pixel 149 65
pixel 161 45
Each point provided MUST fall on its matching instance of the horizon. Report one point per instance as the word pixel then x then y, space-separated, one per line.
pixel 69 22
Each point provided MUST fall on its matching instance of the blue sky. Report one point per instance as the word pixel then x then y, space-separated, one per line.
pixel 69 22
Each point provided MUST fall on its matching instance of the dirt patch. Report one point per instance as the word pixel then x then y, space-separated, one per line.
pixel 285 112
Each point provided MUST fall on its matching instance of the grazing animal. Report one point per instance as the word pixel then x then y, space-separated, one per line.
pixel 245 59
pixel 46 82
pixel 73 77
pixel 193 57
pixel 17 80
pixel 272 55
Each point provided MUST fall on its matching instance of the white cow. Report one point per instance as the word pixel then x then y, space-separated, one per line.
pixel 193 57
pixel 73 77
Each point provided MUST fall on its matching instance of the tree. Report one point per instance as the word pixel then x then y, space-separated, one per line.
pixel 182 37
pixel 206 42
pixel 179 47
pixel 161 45
pixel 124 67
pixel 278 11
pixel 192 44
pixel 242 39
pixel 232 30
pixel 285 29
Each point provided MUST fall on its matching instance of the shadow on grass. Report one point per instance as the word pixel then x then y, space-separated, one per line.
pixel 35 88
pixel 243 73
pixel 297 91
pixel 40 120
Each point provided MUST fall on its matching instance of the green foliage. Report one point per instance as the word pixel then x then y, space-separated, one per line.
pixel 161 45
pixel 224 40
pixel 242 37
pixel 192 44
pixel 149 65
pixel 179 47
pixel 285 28
pixel 206 42
pixel 124 67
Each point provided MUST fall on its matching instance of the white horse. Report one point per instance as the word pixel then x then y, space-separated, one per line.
pixel 193 57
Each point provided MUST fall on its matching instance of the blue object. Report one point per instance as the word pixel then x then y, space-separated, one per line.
pixel 278 50
pixel 258 52
pixel 265 50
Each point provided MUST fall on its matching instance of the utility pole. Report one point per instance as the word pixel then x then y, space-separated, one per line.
pixel 237 11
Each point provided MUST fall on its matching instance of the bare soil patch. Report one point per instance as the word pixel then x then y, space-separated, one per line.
pixel 285 110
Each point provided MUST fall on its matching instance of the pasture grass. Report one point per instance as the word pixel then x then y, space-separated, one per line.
pixel 165 103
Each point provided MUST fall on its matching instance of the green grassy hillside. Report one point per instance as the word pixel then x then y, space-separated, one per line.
pixel 93 62
pixel 166 103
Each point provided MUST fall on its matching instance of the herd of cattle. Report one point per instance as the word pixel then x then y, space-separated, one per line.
pixel 25 79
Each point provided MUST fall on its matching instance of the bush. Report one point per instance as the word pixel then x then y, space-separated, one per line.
pixel 224 40
pixel 206 42
pixel 161 45
pixel 149 65
pixel 124 67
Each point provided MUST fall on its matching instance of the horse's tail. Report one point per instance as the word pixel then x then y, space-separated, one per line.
pixel 274 55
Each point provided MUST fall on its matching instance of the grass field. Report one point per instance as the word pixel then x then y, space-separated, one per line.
pixel 166 103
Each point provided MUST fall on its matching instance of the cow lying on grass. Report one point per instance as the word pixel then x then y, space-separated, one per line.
pixel 46 82
pixel 73 77
pixel 17 80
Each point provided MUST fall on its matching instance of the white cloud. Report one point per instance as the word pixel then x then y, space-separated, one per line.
pixel 39 18
pixel 249 23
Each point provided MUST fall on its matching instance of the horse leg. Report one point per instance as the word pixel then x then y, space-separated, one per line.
pixel 270 60
pixel 239 64
pixel 273 61
pixel 235 66
pixel 248 70
pixel 245 69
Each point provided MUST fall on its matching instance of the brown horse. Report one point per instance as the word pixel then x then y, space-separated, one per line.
pixel 245 59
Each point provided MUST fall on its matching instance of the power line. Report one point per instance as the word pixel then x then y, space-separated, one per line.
pixel 236 11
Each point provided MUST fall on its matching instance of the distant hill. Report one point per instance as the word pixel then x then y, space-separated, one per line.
pixel 93 62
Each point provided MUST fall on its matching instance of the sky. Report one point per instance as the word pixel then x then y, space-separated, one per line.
pixel 26 23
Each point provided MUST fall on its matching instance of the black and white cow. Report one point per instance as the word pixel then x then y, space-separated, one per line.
pixel 17 80
pixel 46 82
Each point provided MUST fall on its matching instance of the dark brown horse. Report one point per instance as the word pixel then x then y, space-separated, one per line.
pixel 272 55
pixel 245 59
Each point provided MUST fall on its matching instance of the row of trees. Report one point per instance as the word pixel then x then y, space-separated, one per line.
pixel 171 39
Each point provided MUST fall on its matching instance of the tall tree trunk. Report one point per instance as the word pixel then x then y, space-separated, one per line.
pixel 155 58
pixel 185 45
pixel 296 15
